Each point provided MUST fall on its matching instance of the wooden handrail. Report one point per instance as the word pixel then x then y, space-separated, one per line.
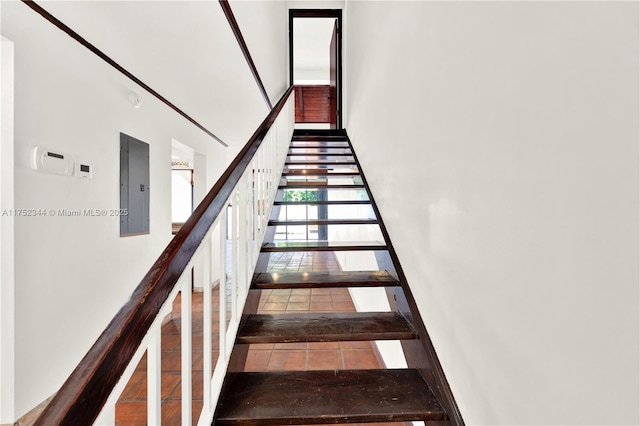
pixel 226 8
pixel 82 396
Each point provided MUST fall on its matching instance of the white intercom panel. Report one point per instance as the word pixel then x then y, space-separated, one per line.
pixel 51 161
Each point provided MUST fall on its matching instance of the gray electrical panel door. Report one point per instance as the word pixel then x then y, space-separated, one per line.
pixel 134 186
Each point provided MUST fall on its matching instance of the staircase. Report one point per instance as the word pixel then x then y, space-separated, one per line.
pixel 321 183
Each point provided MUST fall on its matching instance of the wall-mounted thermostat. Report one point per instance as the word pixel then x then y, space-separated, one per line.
pixel 51 161
pixel 84 171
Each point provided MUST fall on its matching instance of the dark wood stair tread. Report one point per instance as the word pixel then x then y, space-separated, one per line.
pixel 319 149
pixel 321 202
pixel 323 185
pixel 320 154
pixel 320 132
pixel 319 138
pixel 319 143
pixel 288 246
pixel 318 172
pixel 313 162
pixel 312 138
pixel 324 327
pixel 294 222
pixel 274 280
pixel 322 397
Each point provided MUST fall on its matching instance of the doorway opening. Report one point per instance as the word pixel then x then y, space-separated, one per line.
pixel 315 67
pixel 182 185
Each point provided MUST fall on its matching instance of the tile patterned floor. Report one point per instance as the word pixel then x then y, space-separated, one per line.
pixel 305 261
pixel 131 407
pixel 308 356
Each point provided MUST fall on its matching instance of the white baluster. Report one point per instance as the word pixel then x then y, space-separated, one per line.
pixel 242 262
pixel 154 377
pixel 234 265
pixel 257 196
pixel 207 329
pixel 223 281
pixel 186 346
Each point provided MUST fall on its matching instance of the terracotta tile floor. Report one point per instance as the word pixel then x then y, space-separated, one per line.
pixel 131 407
pixel 308 356
pixel 305 261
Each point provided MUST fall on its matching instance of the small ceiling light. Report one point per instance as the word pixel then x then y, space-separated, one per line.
pixel 135 99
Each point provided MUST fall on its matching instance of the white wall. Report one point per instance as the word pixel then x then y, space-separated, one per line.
pixel 185 50
pixel 508 136
pixel 74 273
pixel 315 4
pixel 7 270
pixel 264 25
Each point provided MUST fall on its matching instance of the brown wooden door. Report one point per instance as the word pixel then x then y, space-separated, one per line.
pixel 312 104
pixel 333 77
